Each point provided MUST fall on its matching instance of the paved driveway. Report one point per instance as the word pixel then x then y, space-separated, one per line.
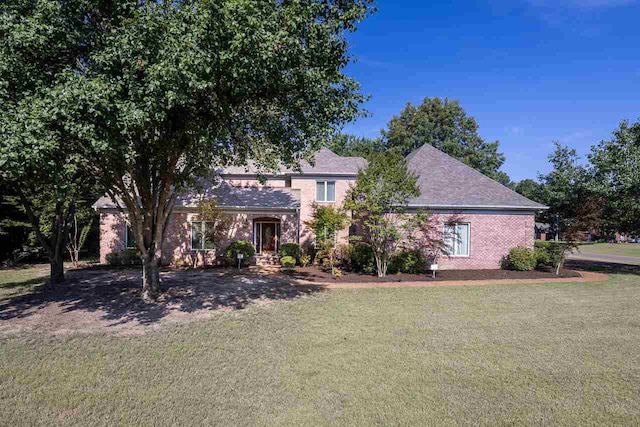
pixel 618 259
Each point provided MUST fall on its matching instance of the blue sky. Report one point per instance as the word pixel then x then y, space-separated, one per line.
pixel 530 71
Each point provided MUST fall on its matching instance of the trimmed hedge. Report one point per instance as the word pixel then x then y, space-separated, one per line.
pixel 409 261
pixel 549 253
pixel 288 261
pixel 343 254
pixel 124 257
pixel 239 246
pixel 290 250
pixel 521 259
pixel 362 258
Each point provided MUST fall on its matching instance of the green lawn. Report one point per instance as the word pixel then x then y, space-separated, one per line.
pixel 564 354
pixel 624 249
pixel 18 280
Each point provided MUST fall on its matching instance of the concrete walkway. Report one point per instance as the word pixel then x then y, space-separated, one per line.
pixel 585 276
pixel 618 259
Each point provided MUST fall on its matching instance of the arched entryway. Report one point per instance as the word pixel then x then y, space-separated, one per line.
pixel 266 235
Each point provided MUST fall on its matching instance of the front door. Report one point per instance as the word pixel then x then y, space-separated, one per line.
pixel 267 237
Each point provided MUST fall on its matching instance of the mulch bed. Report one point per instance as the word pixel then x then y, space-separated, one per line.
pixel 315 274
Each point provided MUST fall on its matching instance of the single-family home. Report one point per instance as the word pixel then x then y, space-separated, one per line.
pixel 491 218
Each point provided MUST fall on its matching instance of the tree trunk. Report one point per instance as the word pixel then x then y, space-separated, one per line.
pixel 150 277
pixel 56 275
pixel 381 267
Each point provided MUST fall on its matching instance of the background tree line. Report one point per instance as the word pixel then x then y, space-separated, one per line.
pixel 599 194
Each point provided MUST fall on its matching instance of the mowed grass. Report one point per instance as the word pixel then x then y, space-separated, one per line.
pixel 624 249
pixel 562 354
pixel 18 280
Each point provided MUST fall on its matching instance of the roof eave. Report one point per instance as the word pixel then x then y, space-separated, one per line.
pixel 487 207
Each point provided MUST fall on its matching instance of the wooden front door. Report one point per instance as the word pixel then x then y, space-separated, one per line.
pixel 267 237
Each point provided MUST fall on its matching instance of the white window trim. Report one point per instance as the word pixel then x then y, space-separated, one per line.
pixel 126 237
pixel 326 192
pixel 468 255
pixel 191 248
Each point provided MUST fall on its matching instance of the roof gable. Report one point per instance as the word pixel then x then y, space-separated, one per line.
pixel 447 182
pixel 326 162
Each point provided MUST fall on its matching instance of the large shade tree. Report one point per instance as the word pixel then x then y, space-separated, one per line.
pixel 573 207
pixel 351 145
pixel 44 175
pixel 444 124
pixel 615 169
pixel 170 90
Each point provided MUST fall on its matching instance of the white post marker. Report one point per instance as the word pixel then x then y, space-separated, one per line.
pixel 434 268
pixel 240 258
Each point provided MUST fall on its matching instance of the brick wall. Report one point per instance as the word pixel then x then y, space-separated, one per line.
pixel 307 187
pixel 176 249
pixel 112 234
pixel 492 235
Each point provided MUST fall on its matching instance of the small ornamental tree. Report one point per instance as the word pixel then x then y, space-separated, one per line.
pixel 428 234
pixel 325 222
pixel 79 229
pixel 379 200
pixel 218 222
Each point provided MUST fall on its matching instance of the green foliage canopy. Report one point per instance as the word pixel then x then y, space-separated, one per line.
pixel 444 124
pixel 615 170
pixel 41 42
pixel 160 93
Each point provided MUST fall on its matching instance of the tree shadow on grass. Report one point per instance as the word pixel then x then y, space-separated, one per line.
pixel 115 295
pixel 24 283
pixel 602 267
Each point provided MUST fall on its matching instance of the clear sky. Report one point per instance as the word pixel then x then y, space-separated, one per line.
pixel 530 71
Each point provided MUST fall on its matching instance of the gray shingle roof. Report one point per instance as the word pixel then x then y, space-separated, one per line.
pixel 326 162
pixel 228 196
pixel 447 182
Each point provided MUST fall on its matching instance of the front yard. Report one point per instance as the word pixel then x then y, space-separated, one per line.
pixel 566 354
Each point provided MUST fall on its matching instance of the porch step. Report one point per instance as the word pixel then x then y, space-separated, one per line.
pixel 267 259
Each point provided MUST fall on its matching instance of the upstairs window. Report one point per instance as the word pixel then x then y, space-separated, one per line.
pixel 202 235
pixel 456 239
pixel 325 191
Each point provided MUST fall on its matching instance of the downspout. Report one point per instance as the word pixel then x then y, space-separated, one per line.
pixel 298 225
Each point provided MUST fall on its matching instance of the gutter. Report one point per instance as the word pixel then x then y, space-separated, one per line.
pixel 491 207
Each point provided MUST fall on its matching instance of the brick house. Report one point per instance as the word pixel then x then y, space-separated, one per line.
pixel 491 218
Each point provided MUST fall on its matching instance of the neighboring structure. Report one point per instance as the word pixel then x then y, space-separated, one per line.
pixel 492 218
pixel 542 231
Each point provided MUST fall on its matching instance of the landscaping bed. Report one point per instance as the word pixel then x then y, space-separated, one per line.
pixel 316 274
